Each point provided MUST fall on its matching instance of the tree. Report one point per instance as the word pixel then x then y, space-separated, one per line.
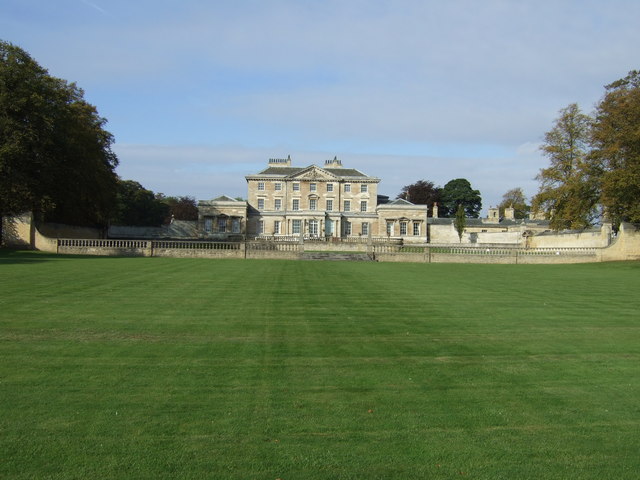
pixel 180 208
pixel 55 156
pixel 422 192
pixel 460 221
pixel 615 139
pixel 568 191
pixel 459 192
pixel 515 199
pixel 135 205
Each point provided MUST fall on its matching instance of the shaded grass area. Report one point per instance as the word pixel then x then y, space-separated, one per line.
pixel 189 368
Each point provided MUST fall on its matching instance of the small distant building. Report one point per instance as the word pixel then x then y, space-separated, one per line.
pixel 222 218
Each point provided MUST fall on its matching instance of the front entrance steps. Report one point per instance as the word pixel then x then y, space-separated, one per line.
pixel 337 256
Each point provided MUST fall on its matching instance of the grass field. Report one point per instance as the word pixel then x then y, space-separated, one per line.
pixel 164 368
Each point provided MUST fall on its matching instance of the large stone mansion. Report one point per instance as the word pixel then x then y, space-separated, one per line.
pixel 336 202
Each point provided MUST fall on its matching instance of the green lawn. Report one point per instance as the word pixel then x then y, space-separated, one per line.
pixel 155 368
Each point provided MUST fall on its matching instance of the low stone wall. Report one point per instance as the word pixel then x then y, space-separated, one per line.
pixel 497 255
pixel 17 231
pixel 595 238
pixel 626 246
pixel 123 248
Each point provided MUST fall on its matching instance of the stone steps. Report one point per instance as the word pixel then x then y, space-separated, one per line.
pixel 337 256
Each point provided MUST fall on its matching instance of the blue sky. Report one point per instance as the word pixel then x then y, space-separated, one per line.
pixel 200 93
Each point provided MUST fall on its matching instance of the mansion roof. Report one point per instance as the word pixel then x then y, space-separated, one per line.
pixel 290 172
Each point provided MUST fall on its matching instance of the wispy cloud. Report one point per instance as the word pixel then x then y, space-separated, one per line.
pixel 96 7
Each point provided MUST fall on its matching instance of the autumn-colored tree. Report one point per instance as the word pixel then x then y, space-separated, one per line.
pixel 616 148
pixel 515 199
pixel 568 192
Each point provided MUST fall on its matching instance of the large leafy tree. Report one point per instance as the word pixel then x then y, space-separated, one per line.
pixel 422 192
pixel 180 208
pixel 137 206
pixel 55 156
pixel 568 192
pixel 459 192
pixel 515 199
pixel 615 139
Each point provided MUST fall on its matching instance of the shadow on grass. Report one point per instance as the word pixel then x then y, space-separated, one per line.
pixel 10 256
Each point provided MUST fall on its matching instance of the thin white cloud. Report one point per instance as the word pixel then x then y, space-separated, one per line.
pixel 96 7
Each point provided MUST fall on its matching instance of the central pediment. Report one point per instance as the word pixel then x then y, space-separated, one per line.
pixel 313 173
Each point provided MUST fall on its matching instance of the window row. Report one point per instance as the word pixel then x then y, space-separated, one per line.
pixel 313 187
pixel 313 204
pixel 403 228
pixel 312 228
pixel 221 225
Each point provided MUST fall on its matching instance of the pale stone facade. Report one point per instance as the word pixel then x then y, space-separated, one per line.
pixel 222 217
pixel 314 202
pixel 403 219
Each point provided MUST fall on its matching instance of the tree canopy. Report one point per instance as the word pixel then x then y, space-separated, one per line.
pixel 135 205
pixel 179 208
pixel 515 199
pixel 422 192
pixel 615 138
pixel 568 192
pixel 459 192
pixel 594 161
pixel 55 156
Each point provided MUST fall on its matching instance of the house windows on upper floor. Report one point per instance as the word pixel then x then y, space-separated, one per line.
pixel 277 186
pixel 347 206
pixel 313 204
pixel 261 204
pixel 277 204
pixel 329 204
pixel 363 206
pixel 296 187
pixel 329 187
pixel 347 187
pixel 313 187
pixel 295 204
pixel 364 188
pixel 261 186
